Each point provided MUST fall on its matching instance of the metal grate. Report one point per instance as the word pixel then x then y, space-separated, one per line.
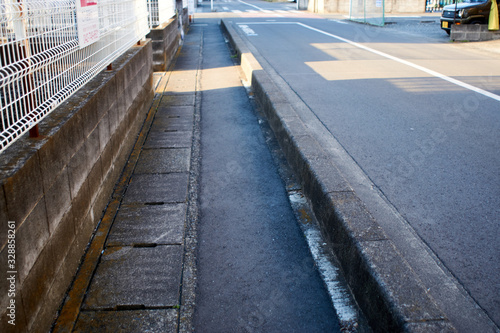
pixel 160 11
pixel 449 14
pixel 42 61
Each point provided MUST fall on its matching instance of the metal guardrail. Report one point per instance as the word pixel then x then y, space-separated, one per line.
pixel 51 48
pixel 160 11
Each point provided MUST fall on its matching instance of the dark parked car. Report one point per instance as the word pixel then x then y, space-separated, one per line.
pixel 466 12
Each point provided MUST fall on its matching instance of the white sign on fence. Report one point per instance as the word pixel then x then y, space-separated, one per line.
pixel 87 15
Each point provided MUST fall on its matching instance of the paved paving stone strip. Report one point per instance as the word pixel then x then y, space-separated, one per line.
pixel 135 284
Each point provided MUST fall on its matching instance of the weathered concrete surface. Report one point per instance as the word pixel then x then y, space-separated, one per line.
pixel 55 187
pixel 164 161
pixel 135 278
pixel 153 321
pixel 167 140
pixel 148 225
pixel 472 33
pixel 142 254
pixel 171 119
pixel 157 188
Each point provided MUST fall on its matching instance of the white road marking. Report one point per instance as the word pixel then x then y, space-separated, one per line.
pixel 245 3
pixel 259 9
pixel 401 61
pixel 237 11
pixel 225 8
pixel 247 30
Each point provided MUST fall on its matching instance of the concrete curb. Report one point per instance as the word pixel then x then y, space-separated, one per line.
pixel 388 291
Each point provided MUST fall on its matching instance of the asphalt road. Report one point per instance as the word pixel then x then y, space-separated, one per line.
pixel 255 271
pixel 418 117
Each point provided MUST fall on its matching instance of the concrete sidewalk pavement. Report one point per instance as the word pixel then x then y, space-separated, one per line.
pixel 138 273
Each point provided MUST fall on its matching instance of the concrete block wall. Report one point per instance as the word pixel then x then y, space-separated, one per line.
pixel 165 40
pixel 343 6
pixel 472 33
pixel 54 188
pixel 404 6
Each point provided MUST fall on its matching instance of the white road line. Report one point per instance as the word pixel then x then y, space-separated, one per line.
pixel 401 61
pixel 237 11
pixel 247 30
pixel 225 8
pixel 245 3
pixel 259 9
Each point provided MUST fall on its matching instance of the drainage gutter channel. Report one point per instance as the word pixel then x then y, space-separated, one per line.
pixel 390 294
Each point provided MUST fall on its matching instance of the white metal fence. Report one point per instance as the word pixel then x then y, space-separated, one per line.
pixel 437 5
pixel 42 59
pixel 160 11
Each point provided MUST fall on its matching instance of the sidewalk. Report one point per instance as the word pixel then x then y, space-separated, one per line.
pixel 254 271
pixel 146 268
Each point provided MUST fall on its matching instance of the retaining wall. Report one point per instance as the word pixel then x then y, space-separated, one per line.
pixel 472 33
pixel 166 39
pixel 343 6
pixel 55 187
